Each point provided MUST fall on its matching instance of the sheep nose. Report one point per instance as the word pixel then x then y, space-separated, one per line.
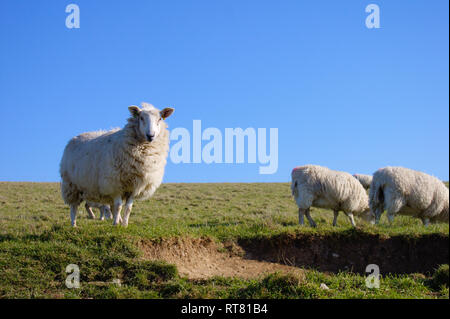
pixel 150 137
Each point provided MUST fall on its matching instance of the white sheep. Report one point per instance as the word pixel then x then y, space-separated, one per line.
pixel 404 191
pixel 119 165
pixel 318 186
pixel 105 210
pixel 365 180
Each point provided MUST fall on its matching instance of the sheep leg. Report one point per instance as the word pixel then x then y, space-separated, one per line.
pixel 394 204
pixel 390 218
pixel 336 213
pixel 378 213
pixel 311 221
pixel 352 219
pixel 102 213
pixel 301 219
pixel 425 221
pixel 126 215
pixel 372 218
pixel 73 215
pixel 116 210
pixel 91 214
pixel 107 212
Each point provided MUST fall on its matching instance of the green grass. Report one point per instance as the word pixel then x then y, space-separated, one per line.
pixel 440 278
pixel 37 243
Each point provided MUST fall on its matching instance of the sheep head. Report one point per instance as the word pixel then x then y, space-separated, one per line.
pixel 149 120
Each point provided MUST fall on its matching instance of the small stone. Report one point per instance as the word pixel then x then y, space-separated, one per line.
pixel 335 255
pixel 324 287
pixel 117 282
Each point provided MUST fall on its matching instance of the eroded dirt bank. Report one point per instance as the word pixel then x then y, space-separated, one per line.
pixel 200 258
pixel 396 254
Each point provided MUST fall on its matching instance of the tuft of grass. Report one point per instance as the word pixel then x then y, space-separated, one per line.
pixel 143 274
pixel 440 278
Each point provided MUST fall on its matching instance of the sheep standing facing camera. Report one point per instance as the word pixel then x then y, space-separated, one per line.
pixel 404 191
pixel 118 166
pixel 365 180
pixel 318 186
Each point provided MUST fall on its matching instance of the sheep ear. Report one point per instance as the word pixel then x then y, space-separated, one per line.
pixel 166 112
pixel 134 110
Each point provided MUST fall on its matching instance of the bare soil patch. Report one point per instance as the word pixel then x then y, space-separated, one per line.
pixel 201 258
pixel 353 251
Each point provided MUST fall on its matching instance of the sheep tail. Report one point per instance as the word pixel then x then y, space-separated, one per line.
pixel 376 197
pixel 294 189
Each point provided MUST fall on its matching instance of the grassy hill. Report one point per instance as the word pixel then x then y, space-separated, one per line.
pixel 210 241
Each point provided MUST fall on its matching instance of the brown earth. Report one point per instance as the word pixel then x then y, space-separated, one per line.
pixel 200 258
pixel 353 252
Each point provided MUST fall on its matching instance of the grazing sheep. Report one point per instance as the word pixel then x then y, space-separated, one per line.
pixel 365 180
pixel 318 186
pixel 404 191
pixel 117 166
pixel 105 210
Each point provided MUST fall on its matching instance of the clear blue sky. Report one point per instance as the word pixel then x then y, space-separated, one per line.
pixel 341 95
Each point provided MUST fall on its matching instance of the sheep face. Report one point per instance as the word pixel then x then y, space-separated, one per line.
pixel 368 216
pixel 149 121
